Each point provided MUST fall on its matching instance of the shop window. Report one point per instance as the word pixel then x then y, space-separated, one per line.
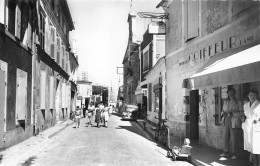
pixel 191 19
pixel 242 91
pixel 156 101
pixel 146 61
pixel 150 90
pixel 43 89
pixel 21 95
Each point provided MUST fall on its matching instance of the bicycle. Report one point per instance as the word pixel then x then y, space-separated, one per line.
pixel 162 131
pixel 145 120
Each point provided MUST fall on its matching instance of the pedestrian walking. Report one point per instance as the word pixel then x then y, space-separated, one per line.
pixel 77 116
pixel 90 113
pixel 84 110
pixel 231 113
pixel 98 116
pixel 105 116
pixel 110 110
pixel 251 127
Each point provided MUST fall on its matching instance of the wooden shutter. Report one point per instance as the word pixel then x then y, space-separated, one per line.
pixel 47 36
pixel 18 22
pixel 191 19
pixel 51 92
pixel 21 95
pixel 42 90
pixel 62 56
pixel 53 42
pixel 29 35
pixel 58 51
pixel 63 95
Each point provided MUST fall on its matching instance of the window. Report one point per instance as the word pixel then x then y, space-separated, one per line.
pixel 52 4
pixel 146 61
pixel 42 30
pixel 58 50
pixel 43 88
pixel 14 18
pixel 156 101
pixel 53 42
pixel 150 90
pixel 191 19
pixel 241 94
pixel 51 91
pixel 21 95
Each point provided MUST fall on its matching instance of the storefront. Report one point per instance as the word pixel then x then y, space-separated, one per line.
pixel 156 92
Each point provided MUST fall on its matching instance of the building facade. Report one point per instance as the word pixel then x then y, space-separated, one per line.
pixel 131 63
pixel 34 67
pixel 208 47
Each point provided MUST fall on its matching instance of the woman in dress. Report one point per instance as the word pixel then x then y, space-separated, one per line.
pixel 98 118
pixel 232 108
pixel 252 114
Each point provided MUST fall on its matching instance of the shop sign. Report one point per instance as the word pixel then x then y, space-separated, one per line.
pixel 157 28
pixel 216 48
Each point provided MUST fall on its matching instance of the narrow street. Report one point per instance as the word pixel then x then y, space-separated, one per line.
pixel 122 143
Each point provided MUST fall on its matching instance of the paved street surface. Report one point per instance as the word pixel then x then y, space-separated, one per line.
pixel 122 143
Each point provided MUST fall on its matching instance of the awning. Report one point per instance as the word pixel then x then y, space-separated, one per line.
pixel 240 67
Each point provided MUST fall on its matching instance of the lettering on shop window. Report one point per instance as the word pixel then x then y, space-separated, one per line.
pixel 216 48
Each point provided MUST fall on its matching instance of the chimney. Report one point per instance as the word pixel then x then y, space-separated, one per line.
pixel 132 26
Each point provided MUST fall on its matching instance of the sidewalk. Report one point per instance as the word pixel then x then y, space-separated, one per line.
pixel 26 150
pixel 201 155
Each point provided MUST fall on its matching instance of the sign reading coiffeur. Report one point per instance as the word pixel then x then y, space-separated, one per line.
pixel 216 48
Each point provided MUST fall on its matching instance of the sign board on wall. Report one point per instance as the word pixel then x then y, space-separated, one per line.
pixel 157 28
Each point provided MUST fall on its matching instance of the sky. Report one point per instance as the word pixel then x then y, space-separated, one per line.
pixel 101 34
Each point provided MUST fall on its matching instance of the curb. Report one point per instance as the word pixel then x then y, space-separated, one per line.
pixel 64 127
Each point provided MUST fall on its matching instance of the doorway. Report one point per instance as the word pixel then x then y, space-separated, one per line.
pixel 194 114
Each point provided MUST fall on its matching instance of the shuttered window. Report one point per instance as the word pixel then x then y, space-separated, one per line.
pixel 51 92
pixel 191 19
pixel 21 95
pixel 47 36
pixel 63 95
pixel 146 61
pixel 18 21
pixel 42 30
pixel 58 50
pixel 150 92
pixel 43 88
pixel 53 42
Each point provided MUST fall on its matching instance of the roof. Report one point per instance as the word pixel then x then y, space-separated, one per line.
pixel 133 47
pixel 67 13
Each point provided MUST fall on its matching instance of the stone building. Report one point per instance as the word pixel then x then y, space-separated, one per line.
pixel 210 46
pixel 34 67
pixel 131 63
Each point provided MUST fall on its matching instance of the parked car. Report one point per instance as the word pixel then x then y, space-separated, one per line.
pixel 130 112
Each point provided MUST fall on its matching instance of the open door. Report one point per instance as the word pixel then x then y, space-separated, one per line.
pixel 194 114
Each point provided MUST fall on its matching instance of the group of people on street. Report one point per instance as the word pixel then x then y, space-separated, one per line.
pixel 99 112
pixel 237 115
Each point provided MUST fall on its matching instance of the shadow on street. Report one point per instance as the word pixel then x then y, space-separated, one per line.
pixel 137 131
